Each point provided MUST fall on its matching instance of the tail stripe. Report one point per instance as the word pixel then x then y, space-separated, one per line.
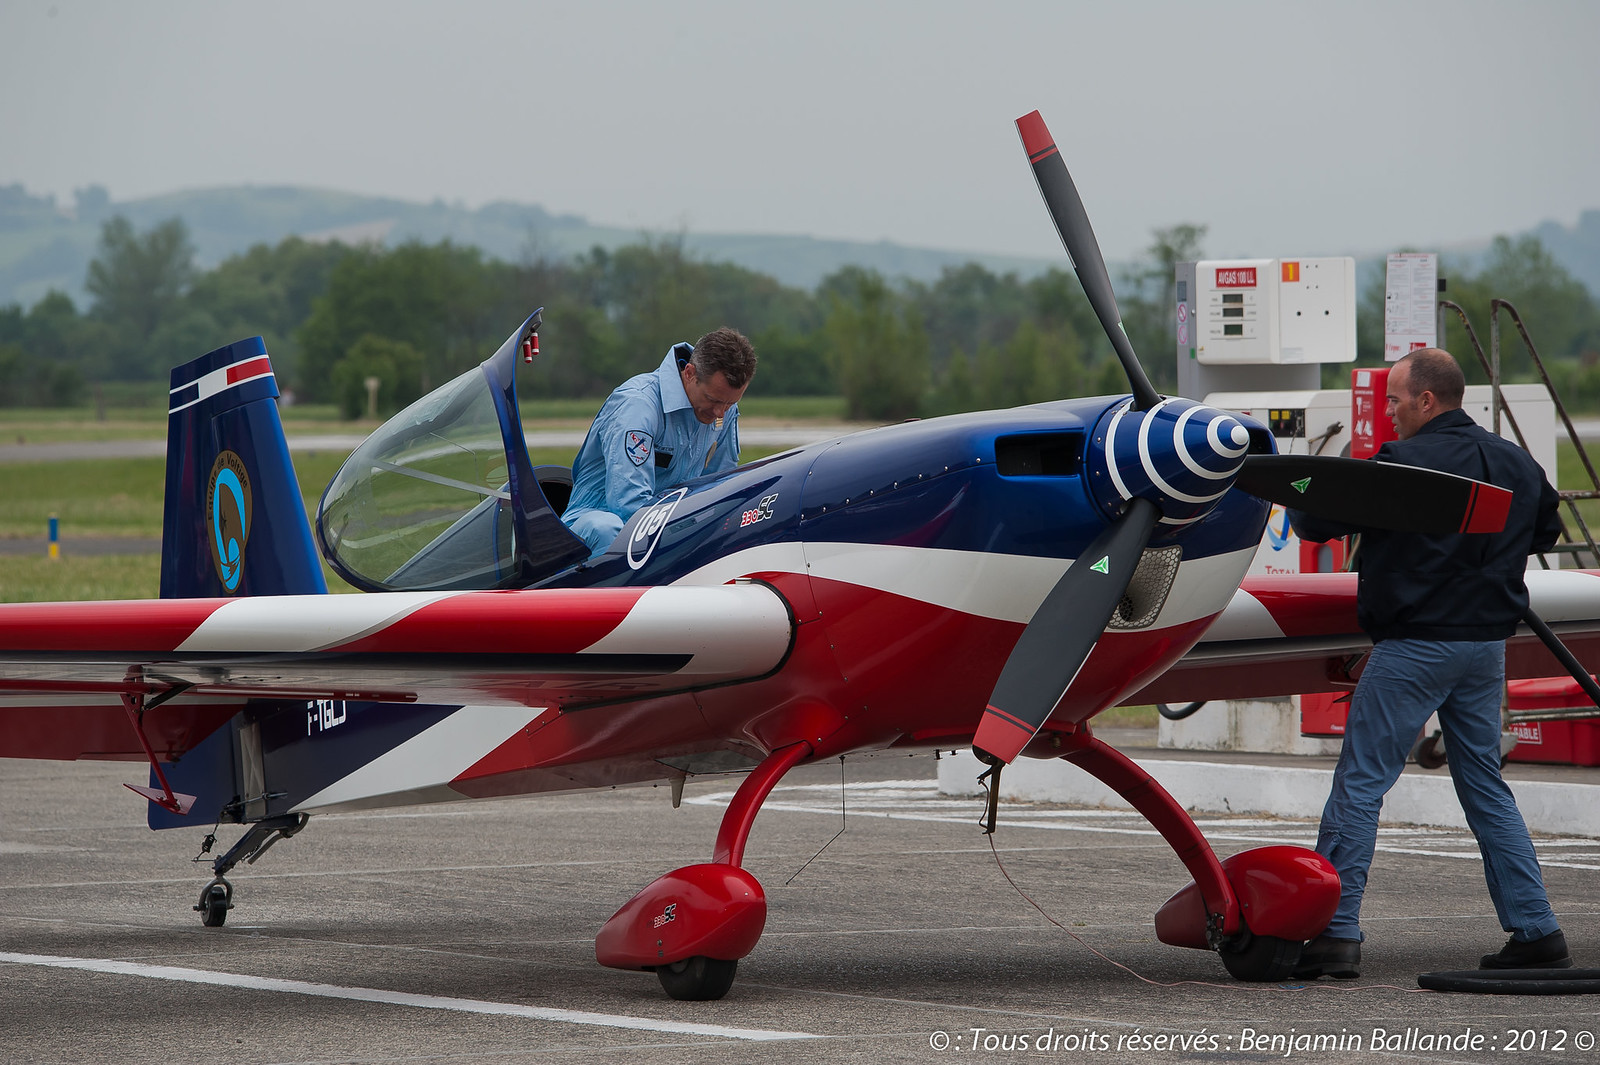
pixel 217 381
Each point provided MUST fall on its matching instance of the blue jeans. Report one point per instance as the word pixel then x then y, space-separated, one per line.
pixel 1404 682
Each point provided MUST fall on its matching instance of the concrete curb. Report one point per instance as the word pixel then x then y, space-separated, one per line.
pixel 1214 787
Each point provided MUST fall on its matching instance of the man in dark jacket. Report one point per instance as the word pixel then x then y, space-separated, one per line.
pixel 1438 609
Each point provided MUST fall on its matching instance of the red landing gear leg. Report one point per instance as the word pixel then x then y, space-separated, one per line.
pixel 1288 893
pixel 694 924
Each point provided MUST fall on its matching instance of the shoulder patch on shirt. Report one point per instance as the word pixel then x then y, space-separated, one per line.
pixel 637 444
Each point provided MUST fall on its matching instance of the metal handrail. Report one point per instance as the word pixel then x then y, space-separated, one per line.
pixel 1544 375
pixel 1491 368
pixel 1571 496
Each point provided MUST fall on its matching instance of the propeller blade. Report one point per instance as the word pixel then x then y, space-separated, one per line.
pixel 1379 495
pixel 1072 222
pixel 1063 631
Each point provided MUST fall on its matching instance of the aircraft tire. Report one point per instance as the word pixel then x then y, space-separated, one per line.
pixel 214 906
pixel 1263 959
pixel 697 979
pixel 1429 754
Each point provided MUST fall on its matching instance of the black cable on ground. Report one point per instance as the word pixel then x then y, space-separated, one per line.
pixel 1514 981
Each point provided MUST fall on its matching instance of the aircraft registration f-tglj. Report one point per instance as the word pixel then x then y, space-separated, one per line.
pixel 992 579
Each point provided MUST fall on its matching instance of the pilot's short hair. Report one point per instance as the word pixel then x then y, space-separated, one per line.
pixel 728 352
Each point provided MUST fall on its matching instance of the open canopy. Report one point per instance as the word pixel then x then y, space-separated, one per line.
pixel 443 495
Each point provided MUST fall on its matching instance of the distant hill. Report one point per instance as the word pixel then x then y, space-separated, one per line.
pixel 44 245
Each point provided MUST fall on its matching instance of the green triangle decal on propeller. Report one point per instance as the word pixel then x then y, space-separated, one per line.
pixel 1301 485
pixel 1103 566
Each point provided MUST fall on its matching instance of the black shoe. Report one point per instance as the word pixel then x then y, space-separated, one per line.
pixel 1546 952
pixel 1328 956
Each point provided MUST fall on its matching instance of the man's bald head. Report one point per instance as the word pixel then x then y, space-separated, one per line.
pixel 1422 386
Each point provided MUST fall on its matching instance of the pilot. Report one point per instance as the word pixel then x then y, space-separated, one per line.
pixel 1439 610
pixel 658 430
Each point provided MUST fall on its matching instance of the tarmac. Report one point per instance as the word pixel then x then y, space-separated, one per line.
pixel 897 931
pixel 1554 798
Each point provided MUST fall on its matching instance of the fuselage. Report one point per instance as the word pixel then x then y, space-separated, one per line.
pixel 911 556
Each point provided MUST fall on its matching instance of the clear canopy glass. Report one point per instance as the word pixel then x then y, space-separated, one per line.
pixel 424 502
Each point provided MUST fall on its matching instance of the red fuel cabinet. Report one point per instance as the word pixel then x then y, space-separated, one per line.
pixel 1574 741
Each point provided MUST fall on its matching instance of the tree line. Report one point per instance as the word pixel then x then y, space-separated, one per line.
pixel 416 315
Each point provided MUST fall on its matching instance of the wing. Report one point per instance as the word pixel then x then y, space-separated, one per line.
pixel 201 659
pixel 1298 634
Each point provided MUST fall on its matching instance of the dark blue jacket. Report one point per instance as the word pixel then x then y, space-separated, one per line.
pixel 1458 586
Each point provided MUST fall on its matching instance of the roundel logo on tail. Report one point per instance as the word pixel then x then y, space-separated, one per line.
pixel 229 508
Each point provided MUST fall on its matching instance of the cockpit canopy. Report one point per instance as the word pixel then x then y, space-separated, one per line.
pixel 443 495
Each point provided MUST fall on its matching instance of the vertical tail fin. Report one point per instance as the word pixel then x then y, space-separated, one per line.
pixel 234 522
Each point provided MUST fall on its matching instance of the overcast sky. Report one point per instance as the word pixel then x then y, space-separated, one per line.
pixel 1289 128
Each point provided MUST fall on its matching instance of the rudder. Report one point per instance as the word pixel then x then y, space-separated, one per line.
pixel 234 522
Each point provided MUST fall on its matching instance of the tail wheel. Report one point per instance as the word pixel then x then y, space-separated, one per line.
pixel 1429 752
pixel 1261 959
pixel 215 902
pixel 697 979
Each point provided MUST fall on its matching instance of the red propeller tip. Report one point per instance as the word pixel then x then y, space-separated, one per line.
pixel 1002 735
pixel 1487 510
pixel 1036 139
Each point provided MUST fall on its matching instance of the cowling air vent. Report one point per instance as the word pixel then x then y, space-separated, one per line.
pixel 1147 591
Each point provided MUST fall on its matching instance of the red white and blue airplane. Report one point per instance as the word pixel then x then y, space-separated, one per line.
pixel 992 579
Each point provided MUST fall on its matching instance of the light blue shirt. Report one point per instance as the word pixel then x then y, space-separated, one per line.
pixel 644 441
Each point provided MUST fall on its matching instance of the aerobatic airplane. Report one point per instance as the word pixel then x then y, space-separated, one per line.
pixel 990 580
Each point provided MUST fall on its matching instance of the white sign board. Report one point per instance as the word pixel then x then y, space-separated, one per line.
pixel 1410 312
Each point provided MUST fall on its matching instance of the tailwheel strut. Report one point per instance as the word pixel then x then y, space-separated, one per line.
pixel 216 898
pixel 691 926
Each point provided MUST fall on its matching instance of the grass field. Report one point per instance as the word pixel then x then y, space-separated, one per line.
pixel 65 425
pixel 121 498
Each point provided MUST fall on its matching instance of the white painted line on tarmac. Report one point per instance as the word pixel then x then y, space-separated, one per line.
pixel 396 998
